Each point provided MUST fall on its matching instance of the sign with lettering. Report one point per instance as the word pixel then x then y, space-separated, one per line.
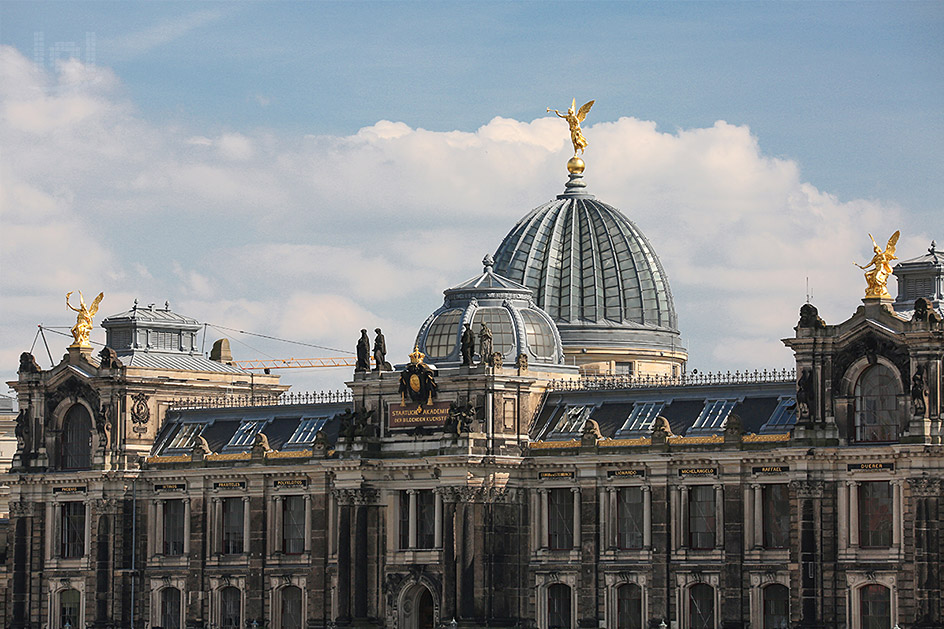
pixel 555 475
pixel 771 469
pixel 634 473
pixel 170 487
pixel 230 484
pixel 865 467
pixel 68 490
pixel 698 471
pixel 291 482
pixel 413 415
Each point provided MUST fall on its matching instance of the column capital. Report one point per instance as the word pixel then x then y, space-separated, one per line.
pixel 306 498
pixel 246 498
pixel 646 488
pixel 755 486
pixel 277 498
pixel 925 487
pixel 853 483
pixel 611 490
pixel 216 500
pixel 718 486
pixel 543 491
pixel 575 490
pixel 412 492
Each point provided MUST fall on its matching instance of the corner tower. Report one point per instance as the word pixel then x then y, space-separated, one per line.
pixel 598 277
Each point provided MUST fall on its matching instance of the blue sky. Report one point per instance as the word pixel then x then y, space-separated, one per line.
pixel 845 96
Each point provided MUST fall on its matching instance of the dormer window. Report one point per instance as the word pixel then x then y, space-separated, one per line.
pixel 642 416
pixel 573 419
pixel 185 436
pixel 783 418
pixel 713 416
pixel 308 427
pixel 246 433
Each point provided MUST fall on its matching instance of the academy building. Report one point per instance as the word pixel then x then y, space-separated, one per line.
pixel 572 474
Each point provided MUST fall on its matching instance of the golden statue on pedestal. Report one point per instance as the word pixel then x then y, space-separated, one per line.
pixel 83 320
pixel 877 277
pixel 574 117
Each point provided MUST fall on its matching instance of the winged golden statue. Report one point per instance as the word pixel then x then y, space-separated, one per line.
pixel 83 320
pixel 877 277
pixel 574 117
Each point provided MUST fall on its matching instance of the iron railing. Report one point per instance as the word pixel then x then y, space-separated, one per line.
pixel 609 382
pixel 285 399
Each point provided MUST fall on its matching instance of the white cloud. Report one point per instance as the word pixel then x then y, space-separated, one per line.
pixel 164 32
pixel 314 237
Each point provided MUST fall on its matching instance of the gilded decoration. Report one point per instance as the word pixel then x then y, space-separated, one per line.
pixel 574 117
pixel 83 320
pixel 876 277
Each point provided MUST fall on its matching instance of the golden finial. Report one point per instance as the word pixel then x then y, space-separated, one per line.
pixel 416 358
pixel 877 277
pixel 574 117
pixel 83 320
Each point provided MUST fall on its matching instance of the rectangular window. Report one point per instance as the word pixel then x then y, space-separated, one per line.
pixel 776 516
pixel 72 530
pixel 293 525
pixel 560 519
pixel 701 517
pixel 629 503
pixel 573 419
pixel 875 514
pixel 173 527
pixel 185 436
pixel 233 526
pixel 642 416
pixel 783 418
pixel 424 519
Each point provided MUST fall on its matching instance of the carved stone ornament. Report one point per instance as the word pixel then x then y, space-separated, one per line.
pixel 28 364
pixel 809 318
pixel 21 508
pixel 804 393
pixel 482 494
pixel 140 412
pixel 691 578
pixel 919 393
pixel 105 506
pixel 363 496
pixel 591 433
pixel 808 488
pixel 109 359
pixel 73 389
pixel 926 487
pixel 522 362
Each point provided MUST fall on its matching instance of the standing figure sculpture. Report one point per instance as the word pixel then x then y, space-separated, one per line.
pixel 877 277
pixel 83 320
pixel 363 353
pixel 467 346
pixel 485 343
pixel 380 352
pixel 574 117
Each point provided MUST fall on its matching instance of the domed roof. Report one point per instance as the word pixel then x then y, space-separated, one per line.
pixel 518 325
pixel 593 271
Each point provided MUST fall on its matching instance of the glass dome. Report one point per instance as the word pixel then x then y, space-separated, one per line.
pixel 518 325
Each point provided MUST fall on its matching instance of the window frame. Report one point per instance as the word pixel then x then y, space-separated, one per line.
pixel 226 540
pixel 166 543
pixel 863 392
pixel 767 503
pixel 711 523
pixel 284 539
pixel 642 416
pixel 866 517
pixel 68 539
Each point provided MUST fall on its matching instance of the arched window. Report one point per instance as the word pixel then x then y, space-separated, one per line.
pixel 558 607
pixel 875 607
pixel 170 608
pixel 876 405
pixel 230 613
pixel 776 607
pixel 629 606
pixel 69 601
pixel 76 449
pixel 291 607
pixel 701 607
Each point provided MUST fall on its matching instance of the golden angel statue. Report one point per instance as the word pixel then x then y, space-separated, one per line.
pixel 83 320
pixel 877 277
pixel 574 117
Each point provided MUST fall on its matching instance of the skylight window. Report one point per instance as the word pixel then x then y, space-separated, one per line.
pixel 783 418
pixel 642 416
pixel 713 416
pixel 573 419
pixel 308 427
pixel 246 433
pixel 185 436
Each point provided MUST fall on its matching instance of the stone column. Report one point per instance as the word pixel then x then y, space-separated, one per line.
pixel 152 526
pixel 88 529
pixel 853 514
pixel 449 557
pixel 543 530
pixel 412 521
pixel 576 493
pixel 159 528
pixel 53 514
pixel 613 519
pixel 360 559
pixel 896 514
pixel 215 534
pixel 534 520
pixel 437 521
pixel 276 534
pixel 246 524
pixel 186 528
pixel 646 517
pixel 344 561
pixel 675 517
pixel 719 516
pixel 748 517
pixel 603 530
pixel 683 524
pixel 842 498
pixel 307 500
pixel 758 515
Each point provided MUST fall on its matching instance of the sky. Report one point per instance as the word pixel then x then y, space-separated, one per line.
pixel 305 170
